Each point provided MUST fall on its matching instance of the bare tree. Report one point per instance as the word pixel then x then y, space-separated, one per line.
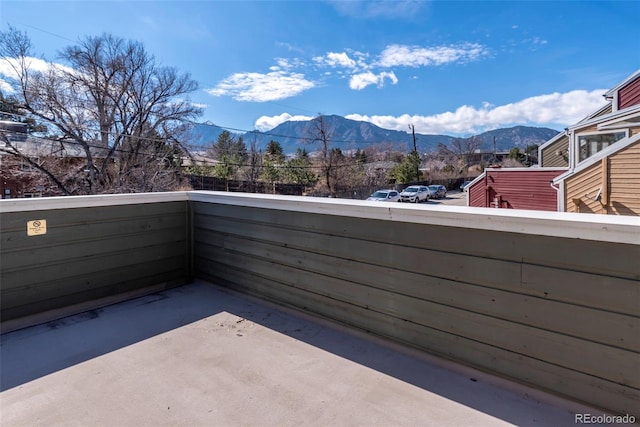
pixel 254 164
pixel 464 150
pixel 113 101
pixel 320 133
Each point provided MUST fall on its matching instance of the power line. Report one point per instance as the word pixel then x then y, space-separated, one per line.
pixel 158 156
pixel 202 84
pixel 45 31
pixel 246 131
pixel 308 140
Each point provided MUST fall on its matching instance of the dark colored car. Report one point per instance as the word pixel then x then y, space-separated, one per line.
pixel 437 191
pixel 464 185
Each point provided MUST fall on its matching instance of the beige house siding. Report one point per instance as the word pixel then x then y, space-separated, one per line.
pixel 581 190
pixel 550 158
pixel 604 112
pixel 589 129
pixel 617 178
pixel 624 181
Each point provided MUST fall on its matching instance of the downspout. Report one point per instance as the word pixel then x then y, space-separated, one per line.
pixel 571 152
pixel 487 193
pixel 559 201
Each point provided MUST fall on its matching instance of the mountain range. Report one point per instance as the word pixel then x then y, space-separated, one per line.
pixel 351 134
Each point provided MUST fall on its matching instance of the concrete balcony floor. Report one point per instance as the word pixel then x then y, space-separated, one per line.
pixel 201 355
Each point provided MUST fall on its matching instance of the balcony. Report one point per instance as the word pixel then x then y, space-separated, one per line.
pixel 207 308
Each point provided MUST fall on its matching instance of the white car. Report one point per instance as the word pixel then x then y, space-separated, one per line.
pixel 415 194
pixel 385 196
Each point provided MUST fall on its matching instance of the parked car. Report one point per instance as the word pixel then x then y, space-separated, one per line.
pixel 464 185
pixel 437 191
pixel 415 194
pixel 385 196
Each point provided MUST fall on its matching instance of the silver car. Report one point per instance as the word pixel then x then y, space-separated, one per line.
pixel 385 196
pixel 415 194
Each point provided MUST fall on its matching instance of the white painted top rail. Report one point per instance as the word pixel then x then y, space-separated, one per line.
pixel 71 202
pixel 609 228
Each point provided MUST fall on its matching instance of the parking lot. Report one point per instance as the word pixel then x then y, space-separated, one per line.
pixel 454 198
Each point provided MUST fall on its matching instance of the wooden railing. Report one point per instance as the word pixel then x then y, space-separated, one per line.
pixel 548 299
pixel 90 251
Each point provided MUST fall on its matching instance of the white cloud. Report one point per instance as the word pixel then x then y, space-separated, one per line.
pixel 282 81
pixel 257 87
pixel 416 56
pixel 5 87
pixel 266 123
pixel 9 65
pixel 287 64
pixel 362 80
pixel 556 109
pixel 334 59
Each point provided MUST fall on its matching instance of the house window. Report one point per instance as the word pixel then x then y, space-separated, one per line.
pixel 588 145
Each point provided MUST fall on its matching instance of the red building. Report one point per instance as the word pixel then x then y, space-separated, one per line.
pixel 591 167
pixel 515 188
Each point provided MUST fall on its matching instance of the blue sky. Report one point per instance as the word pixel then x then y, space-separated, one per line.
pixel 447 67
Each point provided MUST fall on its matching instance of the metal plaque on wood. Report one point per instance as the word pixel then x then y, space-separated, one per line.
pixel 37 227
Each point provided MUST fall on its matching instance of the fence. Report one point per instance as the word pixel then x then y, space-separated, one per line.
pixel 546 298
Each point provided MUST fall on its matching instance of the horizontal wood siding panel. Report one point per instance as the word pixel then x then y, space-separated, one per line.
pixel 583 186
pixel 72 225
pixel 461 267
pixel 615 329
pixel 605 111
pixel 572 353
pixel 605 292
pixel 539 309
pixel 550 158
pixel 90 253
pixel 525 189
pixel 17 280
pixel 623 185
pixel 569 254
pixel 629 95
pixel 56 294
pixel 77 252
pixel 477 194
pixel 627 159
pixel 624 181
pixel 587 129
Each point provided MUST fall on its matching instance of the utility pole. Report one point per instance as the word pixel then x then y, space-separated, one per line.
pixel 415 151
pixel 495 153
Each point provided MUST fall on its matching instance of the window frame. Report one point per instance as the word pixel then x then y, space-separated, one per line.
pixel 578 136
